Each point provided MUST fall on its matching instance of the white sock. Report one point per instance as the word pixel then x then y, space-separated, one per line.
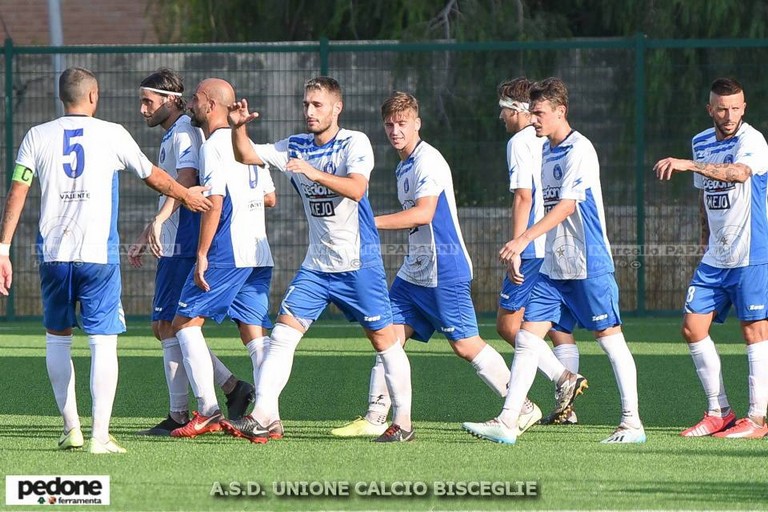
pixel 549 364
pixel 221 373
pixel 61 372
pixel 175 375
pixel 757 355
pixel 103 382
pixel 568 354
pixel 397 372
pixel 707 363
pixel 625 372
pixel 378 394
pixel 492 369
pixel 528 348
pixel 257 349
pixel 197 362
pixel 274 372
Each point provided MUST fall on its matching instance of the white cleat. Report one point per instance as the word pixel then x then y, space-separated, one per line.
pixel 528 419
pixel 111 446
pixel 626 435
pixel 492 430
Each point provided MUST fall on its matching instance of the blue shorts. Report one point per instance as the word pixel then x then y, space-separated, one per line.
pixel 95 286
pixel 447 308
pixel 170 277
pixel 360 294
pixel 715 289
pixel 513 297
pixel 242 294
pixel 592 303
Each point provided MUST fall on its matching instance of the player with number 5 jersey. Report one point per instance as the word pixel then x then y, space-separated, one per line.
pixel 77 159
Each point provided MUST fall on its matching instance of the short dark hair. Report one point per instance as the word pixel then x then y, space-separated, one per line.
pixel 516 89
pixel 726 87
pixel 324 82
pixel 74 84
pixel 166 79
pixel 551 89
pixel 399 102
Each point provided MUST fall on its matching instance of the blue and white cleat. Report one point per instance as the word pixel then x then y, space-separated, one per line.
pixel 626 435
pixel 492 430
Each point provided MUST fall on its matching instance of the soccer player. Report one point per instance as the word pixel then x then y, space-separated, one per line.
pixel 524 151
pixel 730 161
pixel 576 285
pixel 76 158
pixel 432 290
pixel 233 268
pixel 329 167
pixel 172 237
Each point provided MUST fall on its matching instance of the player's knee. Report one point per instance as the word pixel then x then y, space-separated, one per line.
pixel 507 332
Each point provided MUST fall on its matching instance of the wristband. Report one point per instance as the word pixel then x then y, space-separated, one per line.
pixel 5 249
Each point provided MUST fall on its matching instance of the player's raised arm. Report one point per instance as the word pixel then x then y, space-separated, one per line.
pixel 238 116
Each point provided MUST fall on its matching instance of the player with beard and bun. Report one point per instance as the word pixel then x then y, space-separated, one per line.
pixel 172 237
pixel 76 159
pixel 730 166
pixel 233 266
pixel 432 290
pixel 329 167
pixel 577 284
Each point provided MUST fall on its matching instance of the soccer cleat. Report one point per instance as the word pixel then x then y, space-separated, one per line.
pixel 275 430
pixel 492 430
pixel 249 428
pixel 710 425
pixel 569 387
pixel 395 434
pixel 626 435
pixel 528 419
pixel 554 419
pixel 72 439
pixel 99 448
pixel 164 428
pixel 360 427
pixel 199 425
pixel 744 428
pixel 239 399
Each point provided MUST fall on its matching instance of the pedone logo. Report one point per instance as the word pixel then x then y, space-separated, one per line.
pixel 57 489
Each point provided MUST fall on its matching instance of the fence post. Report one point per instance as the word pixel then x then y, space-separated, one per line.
pixel 10 312
pixel 324 50
pixel 640 170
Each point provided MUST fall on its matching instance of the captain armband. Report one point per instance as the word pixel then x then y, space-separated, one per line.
pixel 23 174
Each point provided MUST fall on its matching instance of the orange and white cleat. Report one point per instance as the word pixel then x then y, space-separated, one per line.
pixel 710 424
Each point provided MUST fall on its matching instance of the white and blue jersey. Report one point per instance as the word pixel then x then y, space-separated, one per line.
pixel 436 252
pixel 241 238
pixel 736 212
pixel 77 159
pixel 342 233
pixel 180 149
pixel 524 153
pixel 578 247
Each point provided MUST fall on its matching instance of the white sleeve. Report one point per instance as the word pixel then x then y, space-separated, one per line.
pixel 264 178
pixel 580 164
pixel 427 173
pixel 210 174
pixel 130 155
pixel 187 149
pixel 753 151
pixel 26 156
pixel 520 164
pixel 360 156
pixel 275 155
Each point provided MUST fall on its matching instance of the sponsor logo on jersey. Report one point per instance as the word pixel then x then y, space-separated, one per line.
pixel 316 191
pixel 74 196
pixel 710 185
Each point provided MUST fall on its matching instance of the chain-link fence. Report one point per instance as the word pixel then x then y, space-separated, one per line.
pixel 637 100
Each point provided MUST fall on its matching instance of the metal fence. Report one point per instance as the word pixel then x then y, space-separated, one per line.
pixel 637 100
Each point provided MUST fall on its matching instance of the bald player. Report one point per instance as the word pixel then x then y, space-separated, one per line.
pixel 233 266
